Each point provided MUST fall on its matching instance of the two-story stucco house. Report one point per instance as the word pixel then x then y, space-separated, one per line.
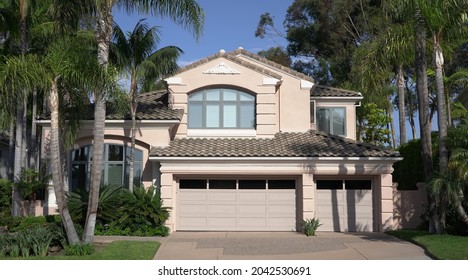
pixel 240 143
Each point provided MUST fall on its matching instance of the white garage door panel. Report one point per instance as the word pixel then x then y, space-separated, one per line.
pixel 193 223
pixel 241 210
pixel 251 210
pixel 251 197
pixel 191 210
pixel 282 210
pixel 222 210
pixel 218 197
pixel 191 196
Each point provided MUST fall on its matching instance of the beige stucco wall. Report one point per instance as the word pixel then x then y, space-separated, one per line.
pixel 280 105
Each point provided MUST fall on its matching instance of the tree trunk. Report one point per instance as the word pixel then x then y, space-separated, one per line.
pixel 442 125
pixel 401 105
pixel 15 209
pixel 33 137
pixel 392 128
pixel 423 103
pixel 413 127
pixel 11 149
pixel 134 105
pixel 103 36
pixel 57 167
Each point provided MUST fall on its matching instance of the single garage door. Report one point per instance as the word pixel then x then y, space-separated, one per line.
pixel 344 205
pixel 236 205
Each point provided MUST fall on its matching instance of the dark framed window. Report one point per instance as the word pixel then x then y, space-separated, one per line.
pixel 281 184
pixel 332 120
pixel 221 108
pixel 192 184
pixel 222 184
pixel 115 166
pixel 252 184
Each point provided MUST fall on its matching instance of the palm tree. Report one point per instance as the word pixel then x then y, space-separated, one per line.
pixel 187 13
pixel 135 54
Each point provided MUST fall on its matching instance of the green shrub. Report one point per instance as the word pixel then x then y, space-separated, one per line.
pixel 15 224
pixel 111 199
pixel 143 209
pixel 31 184
pixel 5 197
pixel 24 242
pixel 79 250
pixel 309 226
pixel 41 239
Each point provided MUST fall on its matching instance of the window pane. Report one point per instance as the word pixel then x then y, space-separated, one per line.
pixel 115 153
pixel 229 114
pixel 80 154
pixel 246 97
pixel 229 95
pixel 79 176
pixel 192 184
pixel 137 175
pixel 212 115
pixel 195 115
pixel 323 119
pixel 138 154
pixel 213 95
pixel 281 184
pixel 329 184
pixel 222 184
pixel 196 96
pixel 339 121
pixel 252 184
pixel 114 174
pixel 358 184
pixel 247 115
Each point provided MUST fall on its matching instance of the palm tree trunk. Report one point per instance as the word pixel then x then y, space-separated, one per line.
pixel 33 137
pixel 392 128
pixel 423 102
pixel 441 107
pixel 401 104
pixel 15 209
pixel 11 149
pixel 57 167
pixel 134 105
pixel 442 124
pixel 103 37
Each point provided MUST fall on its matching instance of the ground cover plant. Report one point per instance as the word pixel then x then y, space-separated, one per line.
pixel 117 250
pixel 443 247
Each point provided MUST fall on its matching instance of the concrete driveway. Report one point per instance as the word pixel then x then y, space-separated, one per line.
pixel 286 246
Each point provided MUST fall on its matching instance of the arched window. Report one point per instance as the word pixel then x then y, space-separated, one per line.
pixel 221 108
pixel 115 170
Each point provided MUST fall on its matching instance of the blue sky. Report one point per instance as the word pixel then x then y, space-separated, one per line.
pixel 228 25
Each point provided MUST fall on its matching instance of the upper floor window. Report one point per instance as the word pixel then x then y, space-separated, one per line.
pixel 332 120
pixel 221 108
pixel 115 168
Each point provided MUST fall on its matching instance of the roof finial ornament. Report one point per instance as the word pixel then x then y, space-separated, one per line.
pixel 240 48
pixel 221 52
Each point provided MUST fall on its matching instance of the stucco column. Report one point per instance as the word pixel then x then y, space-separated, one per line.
pixel 168 198
pixel 385 184
pixel 308 201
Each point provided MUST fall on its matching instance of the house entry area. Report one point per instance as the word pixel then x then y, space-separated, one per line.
pixel 236 205
pixel 344 205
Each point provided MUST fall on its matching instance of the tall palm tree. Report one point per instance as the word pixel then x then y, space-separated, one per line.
pixel 187 13
pixel 136 56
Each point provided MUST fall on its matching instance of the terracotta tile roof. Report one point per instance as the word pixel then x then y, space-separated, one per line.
pixel 323 91
pixel 308 144
pixel 151 106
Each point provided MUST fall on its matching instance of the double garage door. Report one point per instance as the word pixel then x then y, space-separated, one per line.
pixel 344 205
pixel 236 205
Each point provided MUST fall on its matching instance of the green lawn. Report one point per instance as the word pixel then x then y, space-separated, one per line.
pixel 442 247
pixel 117 250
